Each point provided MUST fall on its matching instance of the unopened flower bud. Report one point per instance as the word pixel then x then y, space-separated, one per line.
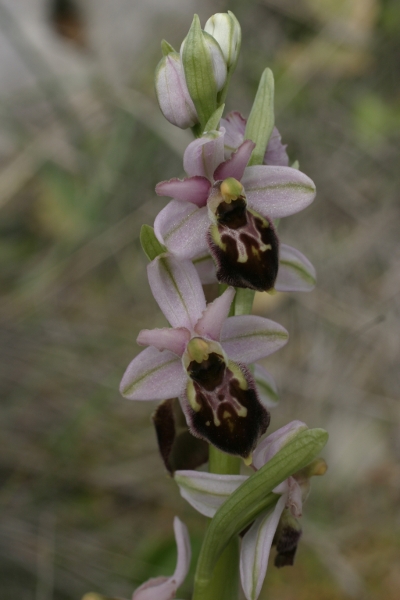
pixel 225 28
pixel 204 68
pixel 172 93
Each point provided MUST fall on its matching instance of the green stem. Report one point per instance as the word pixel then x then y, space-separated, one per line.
pixel 222 463
pixel 224 584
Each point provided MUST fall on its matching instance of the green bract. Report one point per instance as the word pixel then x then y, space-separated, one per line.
pixel 261 119
pixel 251 498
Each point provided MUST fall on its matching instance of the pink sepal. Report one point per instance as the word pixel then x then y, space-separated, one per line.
pixel 193 189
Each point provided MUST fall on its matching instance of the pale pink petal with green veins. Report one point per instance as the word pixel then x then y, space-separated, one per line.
pixel 277 191
pixel 177 290
pixel 164 588
pixel 296 273
pixel 182 227
pixel 255 550
pixel 153 375
pixel 249 338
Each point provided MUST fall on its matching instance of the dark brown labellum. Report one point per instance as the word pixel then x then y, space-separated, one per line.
pixel 244 246
pixel 224 407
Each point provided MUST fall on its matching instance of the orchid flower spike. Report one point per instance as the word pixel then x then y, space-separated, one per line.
pixel 202 359
pixel 226 209
pixel 164 588
pixel 206 492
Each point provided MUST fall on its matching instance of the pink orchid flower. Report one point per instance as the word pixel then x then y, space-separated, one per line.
pixel 226 209
pixel 202 359
pixel 206 492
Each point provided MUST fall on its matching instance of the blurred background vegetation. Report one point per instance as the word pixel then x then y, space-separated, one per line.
pixel 85 504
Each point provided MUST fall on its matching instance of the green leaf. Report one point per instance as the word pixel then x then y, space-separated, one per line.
pixel 261 119
pixel 166 48
pixel 199 73
pixel 213 121
pixel 150 244
pixel 251 498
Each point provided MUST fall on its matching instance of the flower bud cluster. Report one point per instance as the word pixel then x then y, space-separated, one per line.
pixel 192 84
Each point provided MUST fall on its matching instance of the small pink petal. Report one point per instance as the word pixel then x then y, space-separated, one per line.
pixel 277 192
pixel 295 499
pixel 235 126
pixel 203 155
pixel 153 375
pixel 167 338
pixel 182 227
pixel 249 338
pixel 177 289
pixel 191 189
pixel 275 153
pixel 275 441
pixel 164 588
pixel 157 588
pixel 184 552
pixel 214 316
pixel 236 164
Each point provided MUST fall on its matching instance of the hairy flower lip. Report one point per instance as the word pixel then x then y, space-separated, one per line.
pixel 271 191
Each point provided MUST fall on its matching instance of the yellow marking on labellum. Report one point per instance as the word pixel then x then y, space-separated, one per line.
pixel 264 222
pixel 208 423
pixel 248 460
pixel 191 396
pixel 243 257
pixel 231 189
pixel 217 422
pixel 242 412
pixel 216 236
pixel 238 374
pixel 229 421
pixel 198 349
